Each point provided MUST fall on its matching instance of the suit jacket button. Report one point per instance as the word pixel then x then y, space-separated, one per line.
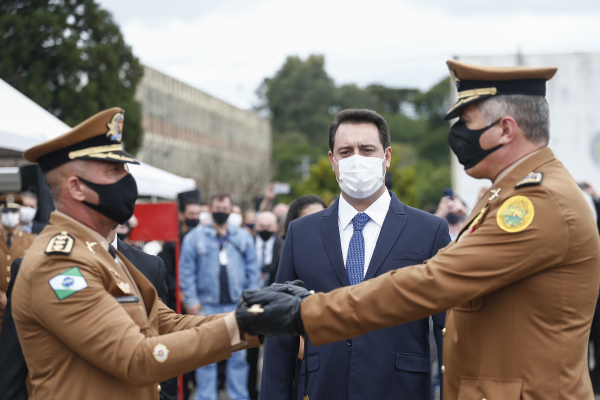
pixel 444 332
pixel 349 342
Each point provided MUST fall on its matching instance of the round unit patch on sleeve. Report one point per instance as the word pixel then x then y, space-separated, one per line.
pixel 516 214
pixel 160 353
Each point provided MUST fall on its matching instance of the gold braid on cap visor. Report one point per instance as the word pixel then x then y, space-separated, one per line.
pixel 101 152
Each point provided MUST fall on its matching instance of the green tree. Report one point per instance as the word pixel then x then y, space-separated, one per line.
pixel 299 99
pixel 70 57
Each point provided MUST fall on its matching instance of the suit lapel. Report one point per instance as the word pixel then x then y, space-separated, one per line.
pixel 331 237
pixel 394 223
pixel 124 249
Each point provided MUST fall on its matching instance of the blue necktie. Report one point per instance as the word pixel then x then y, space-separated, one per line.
pixel 355 261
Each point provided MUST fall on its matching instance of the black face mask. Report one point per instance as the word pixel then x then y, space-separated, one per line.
pixel 265 235
pixel 452 219
pixel 192 223
pixel 464 142
pixel 116 200
pixel 220 217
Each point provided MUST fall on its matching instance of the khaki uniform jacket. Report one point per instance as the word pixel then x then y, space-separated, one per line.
pixel 111 338
pixel 520 299
pixel 20 242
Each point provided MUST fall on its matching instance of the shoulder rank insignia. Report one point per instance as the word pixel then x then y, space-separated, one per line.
pixel 60 244
pixel 532 178
pixel 516 214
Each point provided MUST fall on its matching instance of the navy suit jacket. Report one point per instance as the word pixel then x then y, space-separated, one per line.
pixel 390 363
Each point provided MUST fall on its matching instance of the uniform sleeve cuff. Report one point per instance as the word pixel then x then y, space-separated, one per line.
pixel 237 340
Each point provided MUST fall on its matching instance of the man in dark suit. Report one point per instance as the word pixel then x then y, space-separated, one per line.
pixel 268 251
pixel 365 233
pixel 13 370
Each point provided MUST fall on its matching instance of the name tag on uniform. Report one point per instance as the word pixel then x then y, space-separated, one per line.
pixel 223 257
pixel 128 299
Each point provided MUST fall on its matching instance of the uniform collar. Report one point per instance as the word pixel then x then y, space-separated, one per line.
pixel 376 211
pixel 57 216
pixel 513 166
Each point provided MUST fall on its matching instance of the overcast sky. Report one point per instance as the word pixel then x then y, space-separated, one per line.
pixel 227 47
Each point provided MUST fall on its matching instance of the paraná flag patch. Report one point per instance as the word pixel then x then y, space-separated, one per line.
pixel 69 282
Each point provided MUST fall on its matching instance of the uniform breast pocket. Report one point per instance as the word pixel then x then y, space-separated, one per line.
pixel 489 388
pixel 135 310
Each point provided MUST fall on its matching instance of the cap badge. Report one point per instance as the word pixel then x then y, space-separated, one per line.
pixel 115 128
pixel 516 214
pixel 456 78
pixel 160 353
pixel 10 198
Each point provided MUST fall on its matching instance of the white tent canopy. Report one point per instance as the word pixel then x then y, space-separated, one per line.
pixel 24 124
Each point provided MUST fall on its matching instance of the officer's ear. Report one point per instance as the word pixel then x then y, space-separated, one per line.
pixel 76 189
pixel 510 129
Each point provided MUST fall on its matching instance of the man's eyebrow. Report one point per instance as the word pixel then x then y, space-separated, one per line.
pixel 344 147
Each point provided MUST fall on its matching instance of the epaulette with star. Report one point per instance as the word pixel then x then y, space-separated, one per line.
pixel 60 244
pixel 532 179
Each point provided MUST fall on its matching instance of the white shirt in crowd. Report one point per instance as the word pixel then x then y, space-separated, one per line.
pixel 377 212
pixel 268 251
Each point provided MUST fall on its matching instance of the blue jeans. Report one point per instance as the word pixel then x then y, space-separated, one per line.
pixel 236 381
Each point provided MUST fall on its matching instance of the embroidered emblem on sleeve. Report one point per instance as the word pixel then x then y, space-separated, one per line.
pixel 69 282
pixel 516 214
pixel 60 244
pixel 160 353
pixel 532 179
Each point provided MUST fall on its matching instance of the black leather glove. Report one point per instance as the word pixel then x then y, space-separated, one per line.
pixel 278 315
pixel 295 288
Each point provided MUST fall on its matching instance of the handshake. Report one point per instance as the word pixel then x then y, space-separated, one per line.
pixel 273 310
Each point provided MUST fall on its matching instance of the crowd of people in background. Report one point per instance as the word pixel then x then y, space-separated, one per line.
pixel 225 250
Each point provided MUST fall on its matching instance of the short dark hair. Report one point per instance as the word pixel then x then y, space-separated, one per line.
pixel 353 116
pixel 189 202
pixel 220 196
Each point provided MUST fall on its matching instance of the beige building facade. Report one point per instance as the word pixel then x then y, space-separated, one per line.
pixel 193 134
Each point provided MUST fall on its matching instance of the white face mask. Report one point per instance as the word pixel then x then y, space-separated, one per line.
pixel 27 214
pixel 360 176
pixel 235 220
pixel 10 219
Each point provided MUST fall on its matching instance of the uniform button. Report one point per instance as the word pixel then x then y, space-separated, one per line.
pixel 349 342
pixel 8 256
pixel 443 369
pixel 7 279
pixel 444 332
pixel 8 268
pixel 158 389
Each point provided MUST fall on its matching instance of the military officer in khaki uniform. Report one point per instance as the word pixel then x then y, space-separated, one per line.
pixel 91 326
pixel 521 281
pixel 14 242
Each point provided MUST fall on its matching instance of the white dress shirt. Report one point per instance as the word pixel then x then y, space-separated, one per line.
pixel 376 211
pixel 268 252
